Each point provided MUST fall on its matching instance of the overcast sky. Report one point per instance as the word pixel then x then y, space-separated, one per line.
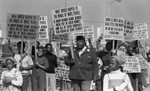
pixel 93 11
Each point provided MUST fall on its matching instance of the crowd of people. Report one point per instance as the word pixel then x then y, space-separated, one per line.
pixel 101 65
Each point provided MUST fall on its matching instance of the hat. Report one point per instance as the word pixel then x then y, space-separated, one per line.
pixel 12 59
pixel 80 38
pixel 120 59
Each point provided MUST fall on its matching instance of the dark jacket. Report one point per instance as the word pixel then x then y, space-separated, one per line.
pixel 52 60
pixel 84 67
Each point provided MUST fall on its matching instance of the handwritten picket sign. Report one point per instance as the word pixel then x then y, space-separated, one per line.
pixel 21 26
pixel 66 20
pixel 131 65
pixel 113 28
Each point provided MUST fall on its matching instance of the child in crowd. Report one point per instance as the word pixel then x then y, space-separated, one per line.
pixel 116 80
pixel 11 79
pixel 38 72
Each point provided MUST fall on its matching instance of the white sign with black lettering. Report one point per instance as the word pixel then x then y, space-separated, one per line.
pixel 128 30
pixel 61 38
pixel 100 31
pixel 89 32
pixel 131 65
pixel 43 30
pixel 113 28
pixel 140 31
pixel 20 26
pixel 67 20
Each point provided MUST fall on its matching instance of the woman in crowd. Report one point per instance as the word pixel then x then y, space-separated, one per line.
pixel 116 80
pixel 38 72
pixel 11 79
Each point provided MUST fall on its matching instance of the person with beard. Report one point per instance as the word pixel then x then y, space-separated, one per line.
pixel 38 71
pixel 83 67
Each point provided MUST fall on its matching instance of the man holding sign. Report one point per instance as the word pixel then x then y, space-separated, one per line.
pixel 83 67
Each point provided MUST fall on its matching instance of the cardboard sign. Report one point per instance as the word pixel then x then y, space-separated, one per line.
pixel 62 71
pixel 67 20
pixel 140 31
pixel 100 31
pixel 141 60
pixel 113 28
pixel 131 65
pixel 61 38
pixel 128 30
pixel 20 26
pixel 43 30
pixel 89 32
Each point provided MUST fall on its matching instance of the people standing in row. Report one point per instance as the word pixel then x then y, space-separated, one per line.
pixel 39 71
pixel 83 67
pixel 52 60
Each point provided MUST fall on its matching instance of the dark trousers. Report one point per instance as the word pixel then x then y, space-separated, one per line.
pixel 38 82
pixel 80 85
pixel 25 83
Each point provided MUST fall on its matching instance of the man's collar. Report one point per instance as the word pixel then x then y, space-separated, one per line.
pixel 83 49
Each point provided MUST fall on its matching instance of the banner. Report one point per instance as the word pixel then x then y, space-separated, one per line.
pixel 60 38
pixel 140 31
pixel 113 28
pixel 131 65
pixel 128 30
pixel 20 26
pixel 67 20
pixel 43 30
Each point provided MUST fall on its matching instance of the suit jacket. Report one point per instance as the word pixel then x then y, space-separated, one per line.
pixel 83 67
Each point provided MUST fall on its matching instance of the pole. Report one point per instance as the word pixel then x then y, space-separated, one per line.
pixel 71 46
pixel 22 49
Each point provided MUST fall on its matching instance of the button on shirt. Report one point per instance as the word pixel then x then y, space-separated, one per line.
pixel 27 61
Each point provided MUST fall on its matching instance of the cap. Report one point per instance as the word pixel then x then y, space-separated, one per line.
pixel 80 38
pixel 120 59
pixel 12 59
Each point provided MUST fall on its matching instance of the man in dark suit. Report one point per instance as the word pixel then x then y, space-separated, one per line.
pixel 83 67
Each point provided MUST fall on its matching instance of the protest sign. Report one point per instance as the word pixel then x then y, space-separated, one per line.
pixel 100 31
pixel 60 38
pixel 67 20
pixel 43 30
pixel 131 65
pixel 128 30
pixel 113 28
pixel 141 60
pixel 89 32
pixel 62 71
pixel 140 31
pixel 20 26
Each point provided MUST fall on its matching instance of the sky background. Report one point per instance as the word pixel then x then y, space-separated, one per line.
pixel 93 11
